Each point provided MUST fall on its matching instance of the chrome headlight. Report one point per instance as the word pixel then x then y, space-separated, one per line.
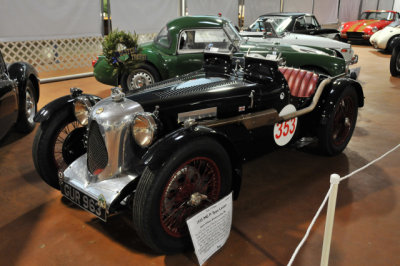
pixel 82 107
pixel 144 129
pixel 375 29
pixel 341 27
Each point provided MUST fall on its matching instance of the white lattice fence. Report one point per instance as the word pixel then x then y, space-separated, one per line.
pixel 53 55
pixel 60 54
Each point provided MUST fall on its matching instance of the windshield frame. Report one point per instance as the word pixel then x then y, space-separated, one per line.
pixel 232 34
pixel 158 37
pixel 282 26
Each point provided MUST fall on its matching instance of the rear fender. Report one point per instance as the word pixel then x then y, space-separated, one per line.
pixel 161 150
pixel 63 102
pixel 332 93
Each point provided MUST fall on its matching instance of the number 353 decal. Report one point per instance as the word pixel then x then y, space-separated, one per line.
pixel 283 132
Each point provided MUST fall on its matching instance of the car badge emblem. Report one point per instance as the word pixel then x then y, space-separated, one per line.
pixel 242 108
pixel 101 202
pixel 100 110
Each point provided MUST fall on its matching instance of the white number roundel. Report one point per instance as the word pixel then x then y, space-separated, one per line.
pixel 284 131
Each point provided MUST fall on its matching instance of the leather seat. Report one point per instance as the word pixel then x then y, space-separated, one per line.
pixel 302 83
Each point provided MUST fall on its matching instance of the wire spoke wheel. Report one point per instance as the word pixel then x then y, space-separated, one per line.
pixel 194 186
pixel 197 174
pixel 336 133
pixel 343 120
pixel 66 150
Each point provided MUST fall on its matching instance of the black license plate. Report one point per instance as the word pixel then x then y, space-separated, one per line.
pixel 82 200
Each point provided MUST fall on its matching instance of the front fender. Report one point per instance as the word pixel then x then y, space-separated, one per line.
pixel 332 93
pixel 60 103
pixel 155 59
pixel 157 154
pixel 23 72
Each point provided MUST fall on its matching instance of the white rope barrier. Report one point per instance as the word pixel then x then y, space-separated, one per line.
pixel 328 231
pixel 310 227
pixel 369 164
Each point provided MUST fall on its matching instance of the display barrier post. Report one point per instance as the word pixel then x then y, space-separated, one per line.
pixel 330 216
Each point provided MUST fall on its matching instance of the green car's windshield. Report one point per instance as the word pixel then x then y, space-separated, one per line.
pixel 163 38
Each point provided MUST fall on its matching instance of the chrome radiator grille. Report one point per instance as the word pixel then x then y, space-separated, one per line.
pixel 97 157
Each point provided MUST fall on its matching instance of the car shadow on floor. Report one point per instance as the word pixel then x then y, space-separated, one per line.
pixel 11 137
pixel 280 193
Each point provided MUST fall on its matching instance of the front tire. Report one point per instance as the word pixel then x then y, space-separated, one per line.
pixel 142 76
pixel 193 178
pixel 391 44
pixel 58 142
pixel 395 62
pixel 336 133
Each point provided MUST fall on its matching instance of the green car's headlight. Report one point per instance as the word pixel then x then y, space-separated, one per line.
pixel 82 107
pixel 144 129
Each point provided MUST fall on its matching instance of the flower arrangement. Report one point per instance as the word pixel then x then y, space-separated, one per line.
pixel 121 50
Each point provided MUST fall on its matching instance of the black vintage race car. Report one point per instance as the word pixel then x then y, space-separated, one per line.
pixel 173 148
pixel 19 94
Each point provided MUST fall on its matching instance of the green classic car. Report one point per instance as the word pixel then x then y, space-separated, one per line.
pixel 178 49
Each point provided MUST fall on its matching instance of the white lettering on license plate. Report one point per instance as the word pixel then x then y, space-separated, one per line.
pixel 82 200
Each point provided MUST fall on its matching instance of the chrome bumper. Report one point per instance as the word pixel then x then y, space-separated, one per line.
pixel 78 176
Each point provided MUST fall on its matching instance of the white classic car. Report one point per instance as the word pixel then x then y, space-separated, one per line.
pixel 387 37
pixel 273 35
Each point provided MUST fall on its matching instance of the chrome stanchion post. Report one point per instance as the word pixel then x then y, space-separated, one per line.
pixel 335 179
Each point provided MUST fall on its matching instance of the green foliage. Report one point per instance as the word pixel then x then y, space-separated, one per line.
pixel 121 50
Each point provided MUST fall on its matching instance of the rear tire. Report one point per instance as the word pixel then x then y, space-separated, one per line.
pixel 58 142
pixel 27 109
pixel 336 133
pixel 162 200
pixel 142 76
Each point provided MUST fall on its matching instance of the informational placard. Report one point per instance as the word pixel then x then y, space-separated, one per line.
pixel 210 228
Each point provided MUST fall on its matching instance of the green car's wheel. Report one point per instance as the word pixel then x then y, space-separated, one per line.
pixel 336 133
pixel 193 178
pixel 142 76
